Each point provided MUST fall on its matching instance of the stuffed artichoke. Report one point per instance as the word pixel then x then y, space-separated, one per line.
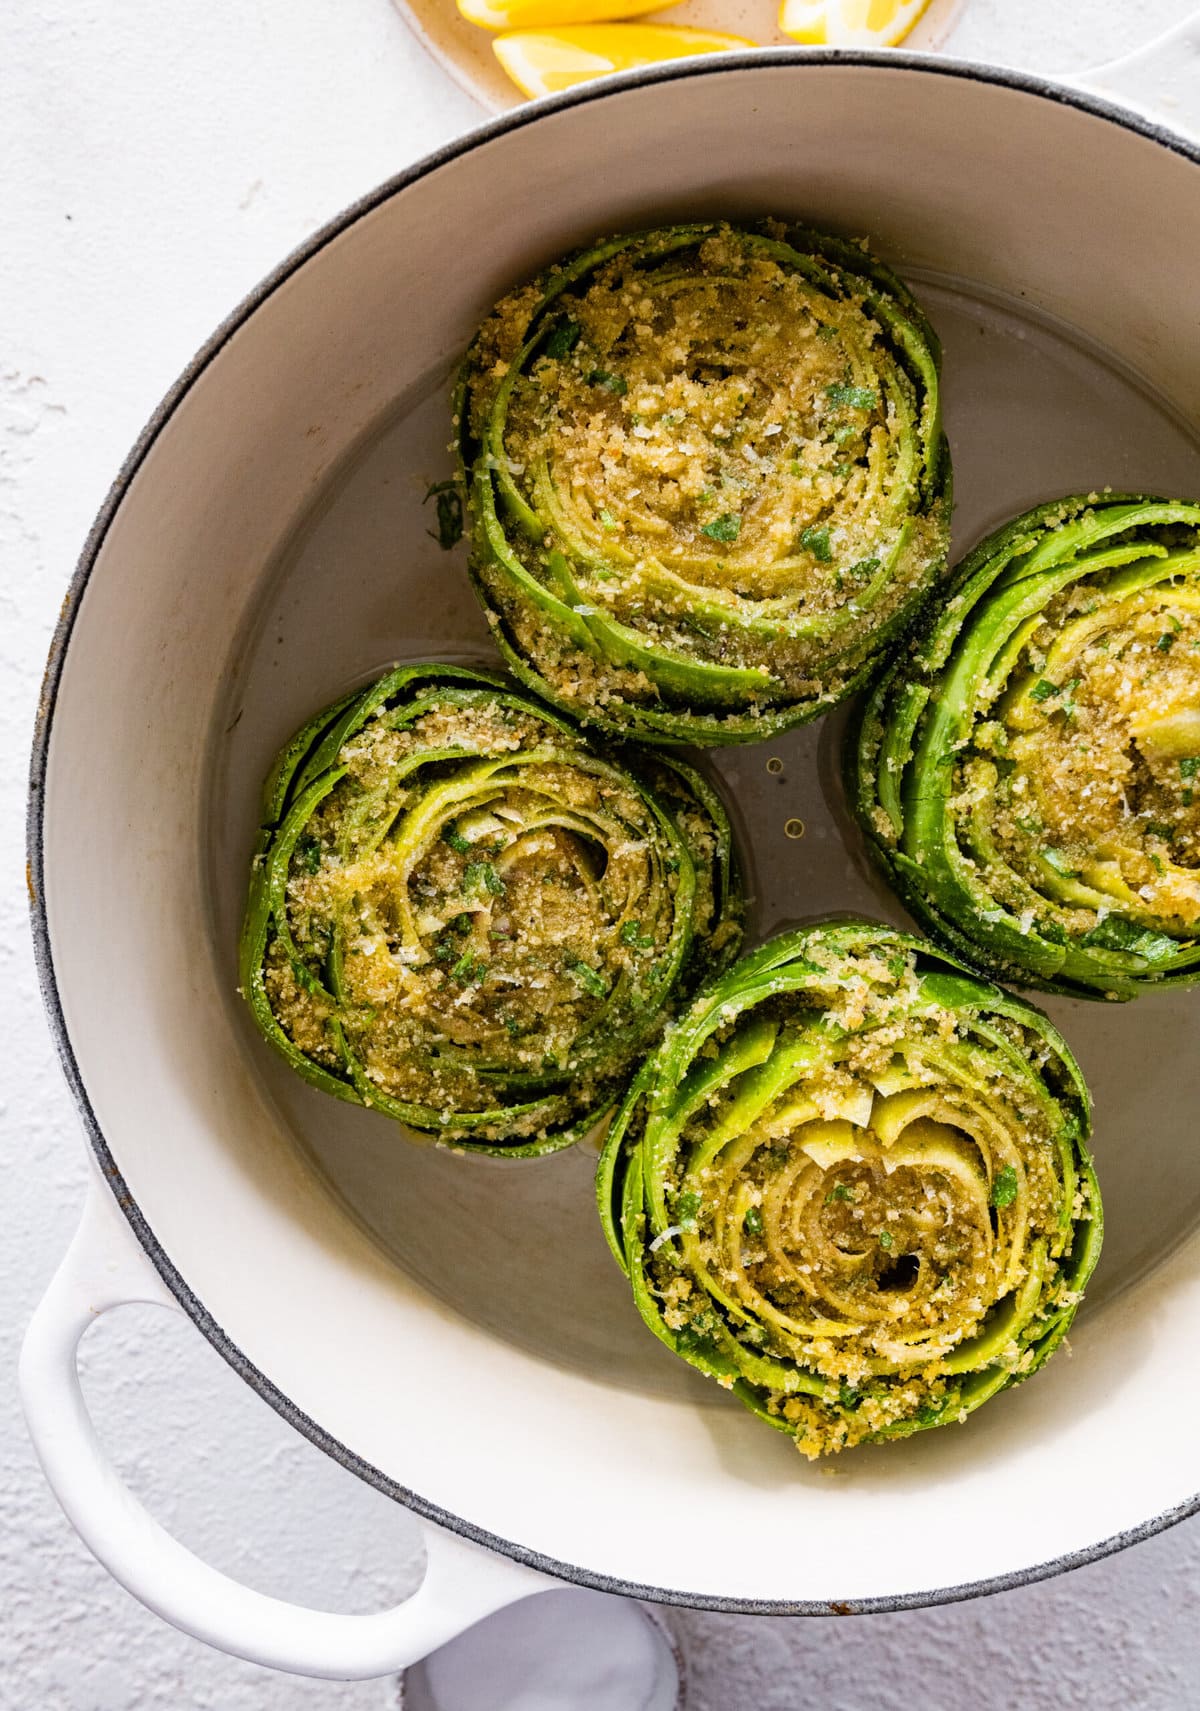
pixel 1029 775
pixel 707 478
pixel 853 1186
pixel 465 917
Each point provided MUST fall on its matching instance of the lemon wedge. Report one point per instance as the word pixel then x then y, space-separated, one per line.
pixel 850 23
pixel 541 62
pixel 537 14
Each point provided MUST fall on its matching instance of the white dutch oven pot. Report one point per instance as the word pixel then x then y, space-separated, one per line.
pixel 453 1329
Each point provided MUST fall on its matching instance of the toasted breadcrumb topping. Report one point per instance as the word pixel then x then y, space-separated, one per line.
pixel 722 462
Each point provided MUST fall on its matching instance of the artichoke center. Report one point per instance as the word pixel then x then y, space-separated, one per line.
pixel 898 1232
pixel 886 1234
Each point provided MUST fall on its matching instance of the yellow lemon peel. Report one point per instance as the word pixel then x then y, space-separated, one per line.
pixel 541 62
pixel 850 23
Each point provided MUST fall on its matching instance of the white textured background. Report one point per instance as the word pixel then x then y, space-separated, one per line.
pixel 155 160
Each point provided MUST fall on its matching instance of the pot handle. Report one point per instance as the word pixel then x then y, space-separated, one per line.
pixel 105 1267
pixel 1161 80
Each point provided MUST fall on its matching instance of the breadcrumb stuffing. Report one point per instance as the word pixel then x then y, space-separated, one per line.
pixel 717 456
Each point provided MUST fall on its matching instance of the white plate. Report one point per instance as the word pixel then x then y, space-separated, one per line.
pixel 465 51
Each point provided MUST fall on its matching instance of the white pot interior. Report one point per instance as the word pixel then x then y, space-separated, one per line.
pixel 457 1323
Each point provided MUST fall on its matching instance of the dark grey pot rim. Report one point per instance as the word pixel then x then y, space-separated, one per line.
pixel 795 60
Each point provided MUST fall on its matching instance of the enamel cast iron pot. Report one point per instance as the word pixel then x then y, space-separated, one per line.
pixel 453 1329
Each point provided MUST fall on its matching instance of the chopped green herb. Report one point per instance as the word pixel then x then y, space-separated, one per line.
pixel 816 541
pixel 686 1208
pixel 563 339
pixel 839 1191
pixel 827 332
pixel 752 1223
pixel 585 976
pixel 1174 622
pixel 482 876
pixel 857 397
pixel 886 1241
pixel 614 383
pixel 1004 1186
pixel 1189 766
pixel 469 969
pixel 844 433
pixel 309 852
pixel 698 1336
pixel 726 527
pixel 1187 798
pixel 848 1397
pixel 865 567
pixel 1043 689
pixel 607 520
pixel 631 934
pixel 1165 642
pixel 449 508
pixel 455 839
pixel 512 1027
